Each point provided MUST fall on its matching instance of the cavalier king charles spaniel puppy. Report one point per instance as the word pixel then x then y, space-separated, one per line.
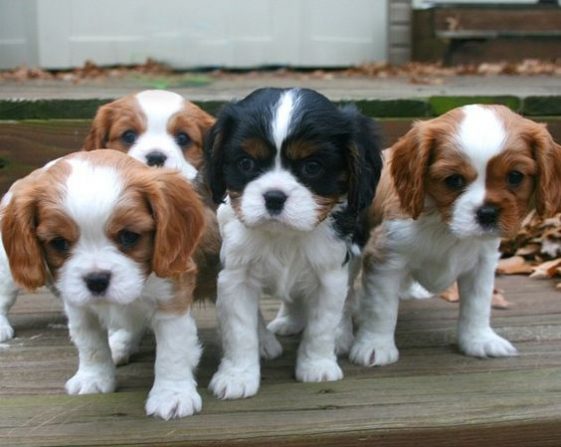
pixel 118 240
pixel 161 129
pixel 296 173
pixel 158 127
pixel 450 189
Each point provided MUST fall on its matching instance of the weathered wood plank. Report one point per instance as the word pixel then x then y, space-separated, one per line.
pixel 433 393
pixel 27 145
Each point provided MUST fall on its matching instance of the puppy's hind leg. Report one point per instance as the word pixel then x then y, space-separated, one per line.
pixel 126 327
pixel 290 319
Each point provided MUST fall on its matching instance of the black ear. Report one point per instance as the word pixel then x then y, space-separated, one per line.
pixel 214 142
pixel 364 160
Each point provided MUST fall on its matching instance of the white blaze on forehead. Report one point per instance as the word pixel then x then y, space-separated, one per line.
pixel 158 106
pixel 481 135
pixel 282 116
pixel 91 195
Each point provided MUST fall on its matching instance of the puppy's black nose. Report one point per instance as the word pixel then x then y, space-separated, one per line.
pixel 487 215
pixel 274 201
pixel 155 158
pixel 98 282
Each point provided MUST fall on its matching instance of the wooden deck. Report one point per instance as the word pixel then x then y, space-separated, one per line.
pixel 432 396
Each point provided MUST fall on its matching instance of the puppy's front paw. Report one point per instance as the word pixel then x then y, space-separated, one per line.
pixel 173 400
pixel 91 382
pixel 286 325
pixel 318 370
pixel 6 330
pixel 374 351
pixel 486 344
pixel 269 347
pixel 234 383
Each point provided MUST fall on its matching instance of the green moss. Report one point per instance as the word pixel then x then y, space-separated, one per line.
pixel 442 104
pixel 398 108
pixel 542 105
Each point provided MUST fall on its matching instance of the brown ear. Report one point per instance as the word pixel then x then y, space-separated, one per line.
pixel 180 222
pixel 204 120
pixel 99 130
pixel 548 158
pixel 20 240
pixel 409 164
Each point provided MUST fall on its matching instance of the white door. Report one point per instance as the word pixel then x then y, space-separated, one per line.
pixel 195 33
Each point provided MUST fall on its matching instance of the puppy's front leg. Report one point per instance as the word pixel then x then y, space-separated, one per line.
pixel 96 371
pixel 174 393
pixel 374 344
pixel 475 335
pixel 237 306
pixel 316 361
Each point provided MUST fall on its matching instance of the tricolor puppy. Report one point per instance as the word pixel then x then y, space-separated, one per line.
pixel 296 172
pixel 450 189
pixel 116 238
pixel 158 127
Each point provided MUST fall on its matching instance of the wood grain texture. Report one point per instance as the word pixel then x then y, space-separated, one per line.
pixel 432 396
pixel 28 145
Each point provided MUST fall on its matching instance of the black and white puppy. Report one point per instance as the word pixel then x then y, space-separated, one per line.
pixel 296 172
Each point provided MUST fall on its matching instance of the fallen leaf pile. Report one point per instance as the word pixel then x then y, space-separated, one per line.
pixel 414 72
pixel 536 249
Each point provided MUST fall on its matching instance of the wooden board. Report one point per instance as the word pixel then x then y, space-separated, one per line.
pixel 432 396
pixel 27 145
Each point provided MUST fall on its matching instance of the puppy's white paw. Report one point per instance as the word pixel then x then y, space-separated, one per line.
pixel 286 325
pixel 91 382
pixel 234 383
pixel 123 345
pixel 318 370
pixel 269 347
pixel 486 344
pixel 415 292
pixel 175 400
pixel 6 330
pixel 374 351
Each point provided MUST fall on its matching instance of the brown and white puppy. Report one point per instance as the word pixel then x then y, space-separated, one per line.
pixel 158 127
pixel 450 189
pixel 115 237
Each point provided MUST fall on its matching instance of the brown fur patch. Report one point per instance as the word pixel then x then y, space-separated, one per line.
pixel 257 148
pixel 111 121
pixel 299 150
pixel 195 122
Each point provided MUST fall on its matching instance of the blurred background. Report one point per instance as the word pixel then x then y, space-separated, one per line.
pixel 242 34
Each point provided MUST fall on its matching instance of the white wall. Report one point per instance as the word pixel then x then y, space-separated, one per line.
pixel 192 33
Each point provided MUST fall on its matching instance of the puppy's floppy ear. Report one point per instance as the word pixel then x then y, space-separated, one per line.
pixel 547 154
pixel 364 160
pixel 20 238
pixel 179 218
pixel 99 131
pixel 409 164
pixel 204 120
pixel 214 143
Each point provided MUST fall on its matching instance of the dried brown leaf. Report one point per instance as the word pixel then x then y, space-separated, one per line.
pixel 513 266
pixel 546 269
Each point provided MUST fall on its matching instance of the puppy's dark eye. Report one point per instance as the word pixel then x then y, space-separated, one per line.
pixel 311 168
pixel 455 181
pixel 182 139
pixel 514 178
pixel 60 244
pixel 129 137
pixel 246 165
pixel 127 239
